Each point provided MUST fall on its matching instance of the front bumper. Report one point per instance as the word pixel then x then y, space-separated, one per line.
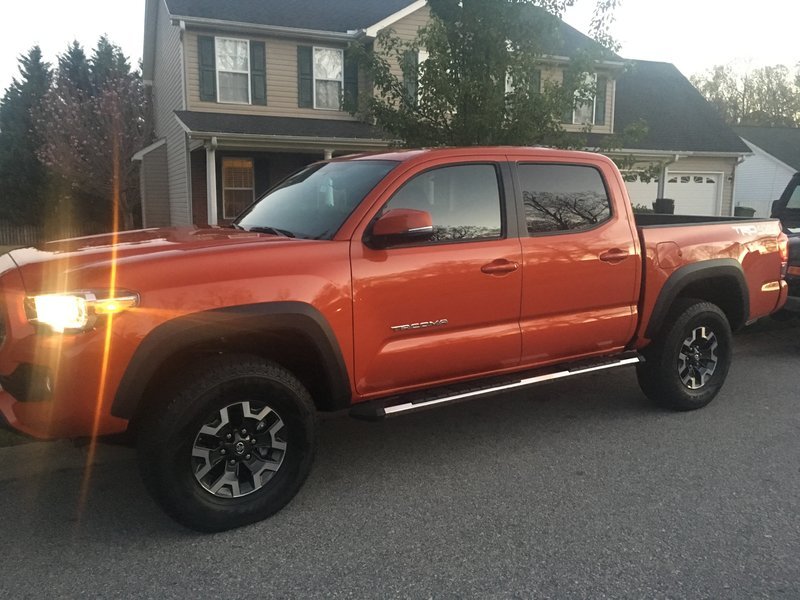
pixel 76 399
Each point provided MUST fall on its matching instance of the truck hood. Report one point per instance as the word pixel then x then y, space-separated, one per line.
pixel 72 256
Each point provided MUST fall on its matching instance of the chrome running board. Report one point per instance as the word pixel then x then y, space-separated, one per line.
pixel 397 405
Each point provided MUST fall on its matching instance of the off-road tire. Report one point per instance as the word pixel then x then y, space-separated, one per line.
pixel 661 376
pixel 168 439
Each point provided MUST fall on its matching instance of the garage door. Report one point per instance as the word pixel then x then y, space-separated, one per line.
pixel 641 193
pixel 694 193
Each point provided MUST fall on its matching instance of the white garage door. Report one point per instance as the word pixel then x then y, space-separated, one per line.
pixel 641 193
pixel 694 193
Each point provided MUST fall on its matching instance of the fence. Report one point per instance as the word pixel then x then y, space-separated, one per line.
pixel 26 235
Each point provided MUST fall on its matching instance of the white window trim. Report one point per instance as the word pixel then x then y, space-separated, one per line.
pixel 224 189
pixel 314 75
pixel 248 72
pixel 422 56
pixel 594 104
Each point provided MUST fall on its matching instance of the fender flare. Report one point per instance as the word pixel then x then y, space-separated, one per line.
pixel 726 268
pixel 186 332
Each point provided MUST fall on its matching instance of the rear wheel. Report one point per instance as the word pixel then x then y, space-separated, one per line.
pixel 688 361
pixel 232 446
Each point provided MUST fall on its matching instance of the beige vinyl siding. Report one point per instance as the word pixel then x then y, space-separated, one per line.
pixel 702 164
pixel 168 96
pixel 281 80
pixel 155 188
pixel 406 29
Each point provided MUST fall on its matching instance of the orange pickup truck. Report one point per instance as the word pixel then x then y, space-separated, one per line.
pixel 382 284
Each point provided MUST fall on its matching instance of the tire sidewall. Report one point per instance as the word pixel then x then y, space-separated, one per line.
pixel 696 315
pixel 170 446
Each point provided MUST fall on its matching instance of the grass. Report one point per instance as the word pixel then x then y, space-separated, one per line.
pixel 4 249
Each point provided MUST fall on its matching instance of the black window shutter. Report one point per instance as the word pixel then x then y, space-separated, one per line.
pixel 600 100
pixel 350 84
pixel 305 77
pixel 258 73
pixel 536 81
pixel 208 68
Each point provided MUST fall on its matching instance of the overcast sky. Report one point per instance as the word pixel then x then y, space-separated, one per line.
pixel 692 34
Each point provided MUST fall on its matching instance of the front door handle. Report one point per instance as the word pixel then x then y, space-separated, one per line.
pixel 614 255
pixel 501 266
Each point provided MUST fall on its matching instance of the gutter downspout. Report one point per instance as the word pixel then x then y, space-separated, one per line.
pixel 733 185
pixel 211 180
pixel 662 177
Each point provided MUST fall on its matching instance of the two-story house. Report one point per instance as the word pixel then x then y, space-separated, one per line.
pixel 245 92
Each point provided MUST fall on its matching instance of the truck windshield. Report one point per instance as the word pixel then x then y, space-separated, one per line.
pixel 315 202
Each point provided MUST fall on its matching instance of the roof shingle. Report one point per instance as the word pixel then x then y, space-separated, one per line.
pixel 221 123
pixel 320 15
pixel 781 142
pixel 678 117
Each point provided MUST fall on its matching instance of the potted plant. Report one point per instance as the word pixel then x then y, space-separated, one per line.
pixel 664 206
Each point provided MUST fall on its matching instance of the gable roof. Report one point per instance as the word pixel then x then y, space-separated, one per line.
pixel 321 15
pixel 781 142
pixel 678 118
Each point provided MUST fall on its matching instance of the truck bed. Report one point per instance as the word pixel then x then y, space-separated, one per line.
pixel 662 220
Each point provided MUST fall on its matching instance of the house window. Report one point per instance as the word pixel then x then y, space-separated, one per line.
pixel 238 190
pixel 591 111
pixel 233 70
pixel 328 78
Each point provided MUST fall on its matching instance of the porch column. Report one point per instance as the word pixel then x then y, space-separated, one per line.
pixel 328 154
pixel 211 180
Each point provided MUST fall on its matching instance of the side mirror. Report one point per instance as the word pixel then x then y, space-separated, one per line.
pixel 401 226
pixel 776 209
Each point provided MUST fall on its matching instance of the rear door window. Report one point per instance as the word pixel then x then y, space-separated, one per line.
pixel 563 198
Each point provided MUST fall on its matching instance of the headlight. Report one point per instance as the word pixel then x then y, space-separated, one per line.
pixel 77 311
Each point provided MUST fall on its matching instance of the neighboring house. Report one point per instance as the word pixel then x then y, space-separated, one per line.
pixel 246 92
pixel 762 177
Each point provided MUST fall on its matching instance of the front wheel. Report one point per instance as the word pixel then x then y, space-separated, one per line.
pixel 231 446
pixel 688 361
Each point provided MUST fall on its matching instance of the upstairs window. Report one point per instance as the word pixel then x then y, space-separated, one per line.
pixel 328 78
pixel 593 110
pixel 232 70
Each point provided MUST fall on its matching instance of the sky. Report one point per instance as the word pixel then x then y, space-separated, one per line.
pixel 693 34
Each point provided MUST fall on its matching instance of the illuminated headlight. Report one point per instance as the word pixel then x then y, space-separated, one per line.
pixel 78 311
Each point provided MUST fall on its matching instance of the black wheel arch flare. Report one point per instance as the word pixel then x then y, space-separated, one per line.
pixel 193 330
pixel 727 269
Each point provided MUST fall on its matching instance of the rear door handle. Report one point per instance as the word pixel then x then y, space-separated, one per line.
pixel 614 255
pixel 500 266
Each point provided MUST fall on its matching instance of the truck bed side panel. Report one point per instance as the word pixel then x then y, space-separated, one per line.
pixel 751 243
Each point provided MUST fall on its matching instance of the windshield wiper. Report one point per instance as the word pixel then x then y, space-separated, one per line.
pixel 273 231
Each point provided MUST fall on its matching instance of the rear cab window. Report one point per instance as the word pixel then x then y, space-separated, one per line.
pixel 563 198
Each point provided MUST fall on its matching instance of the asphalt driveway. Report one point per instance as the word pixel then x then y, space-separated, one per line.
pixel 577 489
